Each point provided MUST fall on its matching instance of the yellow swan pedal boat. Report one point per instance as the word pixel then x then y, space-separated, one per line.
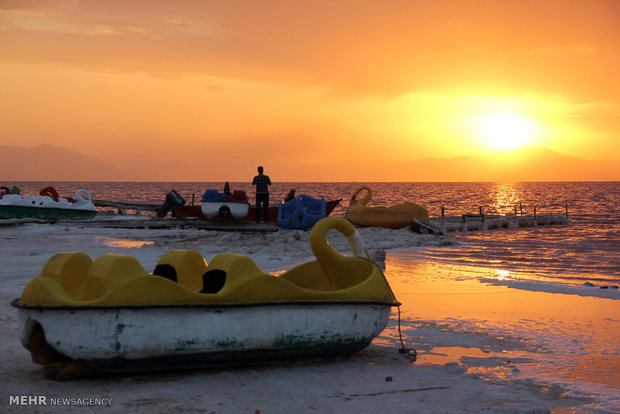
pixel 393 217
pixel 82 316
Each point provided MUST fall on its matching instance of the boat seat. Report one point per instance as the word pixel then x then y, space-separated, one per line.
pixel 68 269
pixel 213 195
pixel 108 272
pixel 188 267
pixel 239 276
pixel 213 281
pixel 309 276
pixel 235 264
pixel 239 196
pixel 167 271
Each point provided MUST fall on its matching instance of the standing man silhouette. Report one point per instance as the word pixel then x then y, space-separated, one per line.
pixel 262 183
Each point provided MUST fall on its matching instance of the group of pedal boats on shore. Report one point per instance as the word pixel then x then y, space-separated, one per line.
pixel 295 212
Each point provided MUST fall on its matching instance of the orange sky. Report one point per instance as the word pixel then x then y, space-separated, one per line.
pixel 290 83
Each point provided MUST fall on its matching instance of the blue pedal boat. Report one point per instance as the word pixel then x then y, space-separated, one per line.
pixel 302 212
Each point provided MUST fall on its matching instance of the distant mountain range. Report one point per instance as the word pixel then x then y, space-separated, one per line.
pixel 52 163
pixel 520 164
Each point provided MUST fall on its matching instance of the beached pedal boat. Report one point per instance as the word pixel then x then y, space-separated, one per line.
pixel 80 317
pixel 48 205
pixel 393 217
pixel 194 211
pixel 226 204
pixel 302 212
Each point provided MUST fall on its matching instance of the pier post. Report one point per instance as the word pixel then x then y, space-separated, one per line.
pixel 443 211
pixel 566 209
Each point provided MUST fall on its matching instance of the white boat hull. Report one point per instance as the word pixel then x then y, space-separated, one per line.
pixel 119 339
pixel 42 206
pixel 223 208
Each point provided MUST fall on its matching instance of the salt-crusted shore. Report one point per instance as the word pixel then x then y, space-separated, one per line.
pixel 271 250
pixel 377 379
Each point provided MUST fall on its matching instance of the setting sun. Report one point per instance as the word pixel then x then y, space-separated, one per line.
pixel 506 130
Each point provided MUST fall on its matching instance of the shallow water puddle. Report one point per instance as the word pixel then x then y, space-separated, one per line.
pixel 446 354
pixel 123 243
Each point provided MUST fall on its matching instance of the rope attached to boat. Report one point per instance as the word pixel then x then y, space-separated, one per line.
pixel 411 352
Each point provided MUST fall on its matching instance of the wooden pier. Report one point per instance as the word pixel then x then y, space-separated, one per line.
pixel 172 223
pixel 164 223
pixel 20 221
pixel 474 222
pixel 122 207
pixel 496 217
pixel 149 223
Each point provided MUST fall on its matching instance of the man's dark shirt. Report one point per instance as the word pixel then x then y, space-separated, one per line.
pixel 262 183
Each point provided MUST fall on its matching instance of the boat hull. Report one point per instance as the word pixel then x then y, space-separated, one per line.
pixel 48 207
pixel 224 209
pixel 139 338
pixel 9 212
pixel 394 217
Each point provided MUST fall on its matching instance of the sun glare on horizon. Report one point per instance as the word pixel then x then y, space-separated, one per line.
pixel 501 131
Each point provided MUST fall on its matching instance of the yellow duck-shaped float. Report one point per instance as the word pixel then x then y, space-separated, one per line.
pixel 393 217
